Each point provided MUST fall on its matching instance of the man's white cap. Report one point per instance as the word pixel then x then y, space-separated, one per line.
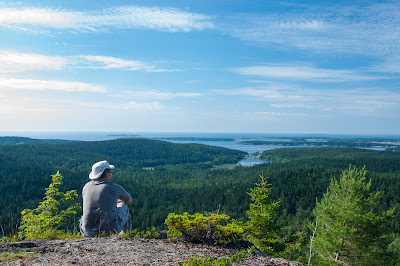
pixel 98 169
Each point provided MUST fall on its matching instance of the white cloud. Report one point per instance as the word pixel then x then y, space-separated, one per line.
pixel 265 116
pixel 149 106
pixel 294 105
pixel 122 17
pixel 11 61
pixel 15 62
pixel 114 106
pixel 11 106
pixel 48 85
pixel 154 94
pixel 361 28
pixel 108 62
pixel 301 25
pixel 36 16
pixel 272 94
pixel 303 73
pixel 361 101
pixel 246 116
pixel 390 65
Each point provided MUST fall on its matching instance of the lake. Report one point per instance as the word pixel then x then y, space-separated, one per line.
pixel 250 161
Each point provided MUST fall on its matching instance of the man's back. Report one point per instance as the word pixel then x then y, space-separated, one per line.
pixel 100 206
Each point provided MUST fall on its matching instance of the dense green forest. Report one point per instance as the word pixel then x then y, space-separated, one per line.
pixel 163 177
pixel 24 140
pixel 26 170
pixel 384 143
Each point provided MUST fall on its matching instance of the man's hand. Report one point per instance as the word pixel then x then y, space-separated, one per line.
pixel 127 203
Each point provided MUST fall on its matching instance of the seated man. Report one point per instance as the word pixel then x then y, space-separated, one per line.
pixel 105 203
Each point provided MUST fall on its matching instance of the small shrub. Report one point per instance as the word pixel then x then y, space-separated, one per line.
pixel 149 233
pixel 231 233
pixel 207 261
pixel 14 238
pixel 198 228
pixel 9 256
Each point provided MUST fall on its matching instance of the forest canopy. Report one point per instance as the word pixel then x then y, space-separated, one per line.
pixel 165 178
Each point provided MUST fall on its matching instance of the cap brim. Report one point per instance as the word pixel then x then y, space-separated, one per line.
pixel 93 176
pixel 111 167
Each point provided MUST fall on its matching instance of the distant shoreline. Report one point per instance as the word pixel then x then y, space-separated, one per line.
pixel 251 143
pixel 197 134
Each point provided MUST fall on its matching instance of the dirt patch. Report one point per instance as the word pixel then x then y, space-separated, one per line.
pixel 123 251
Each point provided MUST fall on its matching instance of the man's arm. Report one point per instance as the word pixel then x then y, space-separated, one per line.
pixel 123 195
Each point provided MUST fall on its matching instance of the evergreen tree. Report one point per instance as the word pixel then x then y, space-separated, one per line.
pixel 47 218
pixel 263 231
pixel 349 229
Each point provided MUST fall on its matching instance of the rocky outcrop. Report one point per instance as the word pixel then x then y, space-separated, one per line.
pixel 123 251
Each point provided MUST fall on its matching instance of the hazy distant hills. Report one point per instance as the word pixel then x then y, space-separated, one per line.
pixel 22 140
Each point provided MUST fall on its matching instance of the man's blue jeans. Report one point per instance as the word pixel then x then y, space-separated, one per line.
pixel 123 220
pixel 123 217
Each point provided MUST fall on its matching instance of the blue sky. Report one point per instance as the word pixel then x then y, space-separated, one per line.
pixel 200 66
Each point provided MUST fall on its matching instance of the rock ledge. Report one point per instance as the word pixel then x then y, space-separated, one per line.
pixel 123 251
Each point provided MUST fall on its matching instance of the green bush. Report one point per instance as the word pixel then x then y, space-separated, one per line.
pixel 207 261
pixel 14 238
pixel 198 228
pixel 10 256
pixel 149 233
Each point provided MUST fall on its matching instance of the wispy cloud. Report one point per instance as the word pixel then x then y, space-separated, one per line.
pixel 16 62
pixel 304 73
pixel 147 106
pixel 361 28
pixel 11 61
pixel 300 25
pixel 273 93
pixel 48 85
pixel 10 106
pixel 121 17
pixel 363 101
pixel 389 65
pixel 108 62
pixel 262 116
pixel 160 95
